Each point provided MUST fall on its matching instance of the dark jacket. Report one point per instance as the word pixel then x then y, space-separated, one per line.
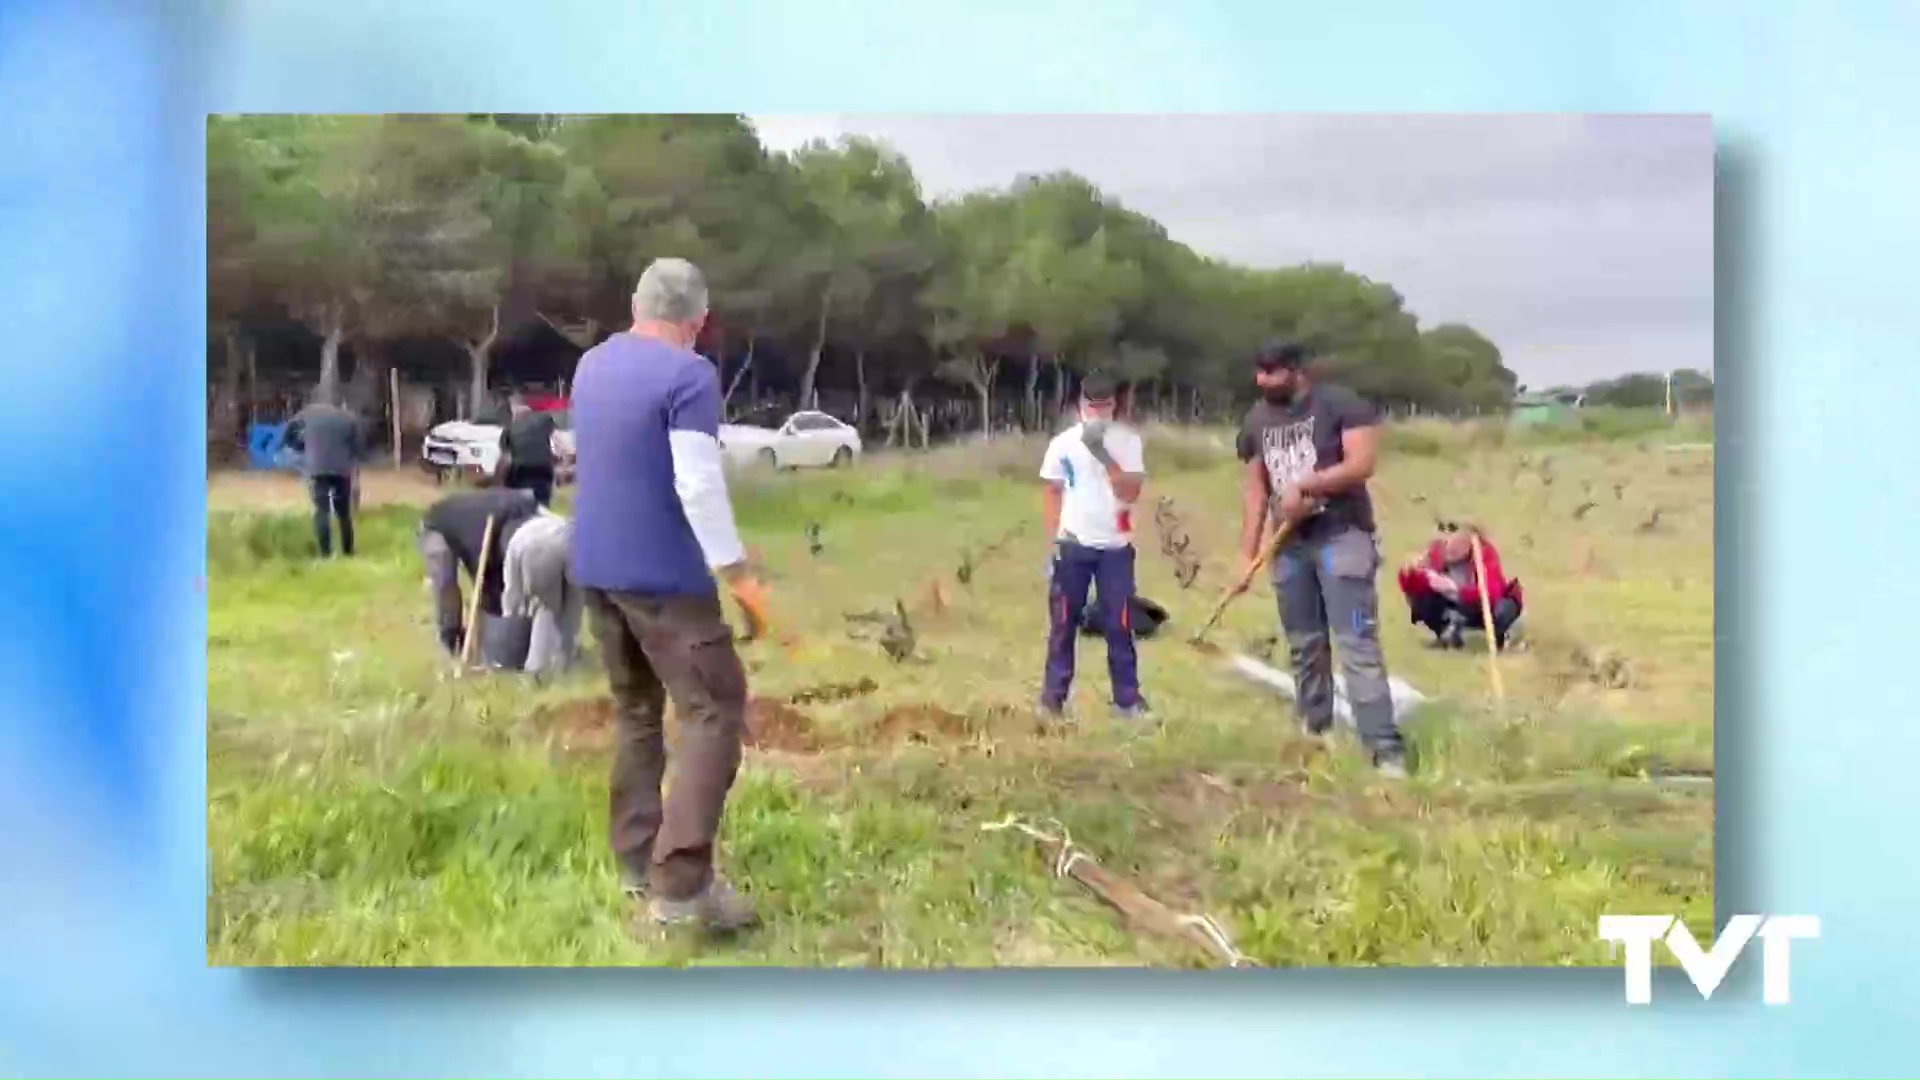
pixel 329 440
pixel 528 441
pixel 462 521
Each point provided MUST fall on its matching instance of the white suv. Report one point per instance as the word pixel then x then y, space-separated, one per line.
pixel 473 448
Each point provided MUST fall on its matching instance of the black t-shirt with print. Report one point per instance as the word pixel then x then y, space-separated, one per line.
pixel 1304 436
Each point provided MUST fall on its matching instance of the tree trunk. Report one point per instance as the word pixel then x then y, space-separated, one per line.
pixel 478 352
pixel 819 346
pixel 334 334
pixel 366 390
pixel 745 366
pixel 231 424
pixel 1030 405
pixel 985 387
pixel 253 388
pixel 1059 389
pixel 860 384
pixel 477 379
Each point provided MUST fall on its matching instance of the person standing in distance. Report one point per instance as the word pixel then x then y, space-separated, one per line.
pixel 331 444
pixel 653 527
pixel 1094 472
pixel 1309 451
pixel 526 450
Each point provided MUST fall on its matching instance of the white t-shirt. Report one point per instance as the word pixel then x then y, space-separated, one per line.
pixel 1089 510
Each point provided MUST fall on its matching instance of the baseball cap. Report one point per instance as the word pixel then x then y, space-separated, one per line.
pixel 1281 356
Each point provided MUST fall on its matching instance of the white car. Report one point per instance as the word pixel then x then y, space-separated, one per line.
pixel 465 446
pixel 806 440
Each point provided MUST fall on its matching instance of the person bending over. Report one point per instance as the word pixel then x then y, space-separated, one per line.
pixel 452 532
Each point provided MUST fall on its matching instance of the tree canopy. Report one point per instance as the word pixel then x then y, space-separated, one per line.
pixel 828 266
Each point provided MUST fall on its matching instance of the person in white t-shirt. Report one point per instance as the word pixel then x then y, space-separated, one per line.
pixel 1094 472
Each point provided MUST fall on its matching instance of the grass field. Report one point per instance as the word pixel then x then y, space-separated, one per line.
pixel 365 811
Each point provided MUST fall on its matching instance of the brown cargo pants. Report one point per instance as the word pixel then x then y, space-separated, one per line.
pixel 655 648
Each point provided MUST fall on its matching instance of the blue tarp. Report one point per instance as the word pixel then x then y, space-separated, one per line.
pixel 267 448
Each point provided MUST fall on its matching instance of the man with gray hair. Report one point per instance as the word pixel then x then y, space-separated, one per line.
pixel 653 528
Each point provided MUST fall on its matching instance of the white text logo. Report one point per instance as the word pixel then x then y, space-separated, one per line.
pixel 1708 968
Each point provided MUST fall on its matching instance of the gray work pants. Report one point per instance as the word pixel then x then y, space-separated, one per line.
pixel 1327 597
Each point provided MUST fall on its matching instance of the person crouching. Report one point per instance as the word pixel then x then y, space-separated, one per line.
pixel 540 591
pixel 1443 588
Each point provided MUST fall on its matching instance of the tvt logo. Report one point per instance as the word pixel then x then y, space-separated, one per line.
pixel 1707 969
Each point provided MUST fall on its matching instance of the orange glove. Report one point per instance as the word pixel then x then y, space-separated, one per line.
pixel 752 596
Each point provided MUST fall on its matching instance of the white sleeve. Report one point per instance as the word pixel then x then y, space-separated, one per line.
pixel 701 483
pixel 1130 453
pixel 1050 470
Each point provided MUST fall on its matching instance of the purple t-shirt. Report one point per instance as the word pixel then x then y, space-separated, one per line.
pixel 630 533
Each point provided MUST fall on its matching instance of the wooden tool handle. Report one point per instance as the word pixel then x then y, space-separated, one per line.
pixel 1266 556
pixel 479 587
pixel 1486 616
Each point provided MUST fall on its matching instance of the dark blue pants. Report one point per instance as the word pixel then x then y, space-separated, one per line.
pixel 332 494
pixel 1108 573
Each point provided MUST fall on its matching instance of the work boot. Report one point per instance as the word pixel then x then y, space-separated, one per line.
pixel 633 885
pixel 715 909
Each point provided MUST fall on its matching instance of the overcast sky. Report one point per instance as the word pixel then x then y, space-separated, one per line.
pixel 1582 245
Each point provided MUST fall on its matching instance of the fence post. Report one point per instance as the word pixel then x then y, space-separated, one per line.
pixel 393 374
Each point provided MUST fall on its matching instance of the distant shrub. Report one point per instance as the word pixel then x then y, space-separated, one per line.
pixel 1186 450
pixel 1411 442
pixel 1601 425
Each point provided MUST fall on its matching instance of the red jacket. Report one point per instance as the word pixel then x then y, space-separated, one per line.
pixel 1499 587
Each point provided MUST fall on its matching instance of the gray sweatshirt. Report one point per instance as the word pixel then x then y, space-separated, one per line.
pixel 328 438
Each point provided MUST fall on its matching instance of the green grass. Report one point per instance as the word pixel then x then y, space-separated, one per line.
pixel 362 810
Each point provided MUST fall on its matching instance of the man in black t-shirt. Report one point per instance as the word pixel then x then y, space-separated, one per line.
pixel 451 535
pixel 1309 451
pixel 526 450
